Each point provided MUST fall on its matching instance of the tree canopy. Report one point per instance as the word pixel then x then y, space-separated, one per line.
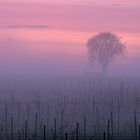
pixel 104 47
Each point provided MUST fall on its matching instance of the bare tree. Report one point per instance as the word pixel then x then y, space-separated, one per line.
pixel 103 47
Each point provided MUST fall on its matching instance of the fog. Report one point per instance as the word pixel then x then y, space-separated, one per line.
pixel 30 56
pixel 48 89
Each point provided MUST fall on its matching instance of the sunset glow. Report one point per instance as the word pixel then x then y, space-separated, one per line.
pixel 67 23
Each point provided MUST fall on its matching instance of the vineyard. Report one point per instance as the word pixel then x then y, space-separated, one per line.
pixel 70 109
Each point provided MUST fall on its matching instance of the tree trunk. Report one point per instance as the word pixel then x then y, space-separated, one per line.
pixel 104 68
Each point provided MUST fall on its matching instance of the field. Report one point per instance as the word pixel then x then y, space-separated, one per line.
pixel 70 108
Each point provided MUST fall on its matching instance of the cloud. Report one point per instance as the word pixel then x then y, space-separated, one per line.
pixel 27 26
pixel 118 4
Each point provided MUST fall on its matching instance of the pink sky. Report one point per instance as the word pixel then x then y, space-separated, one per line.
pixel 80 2
pixel 63 27
pixel 73 17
